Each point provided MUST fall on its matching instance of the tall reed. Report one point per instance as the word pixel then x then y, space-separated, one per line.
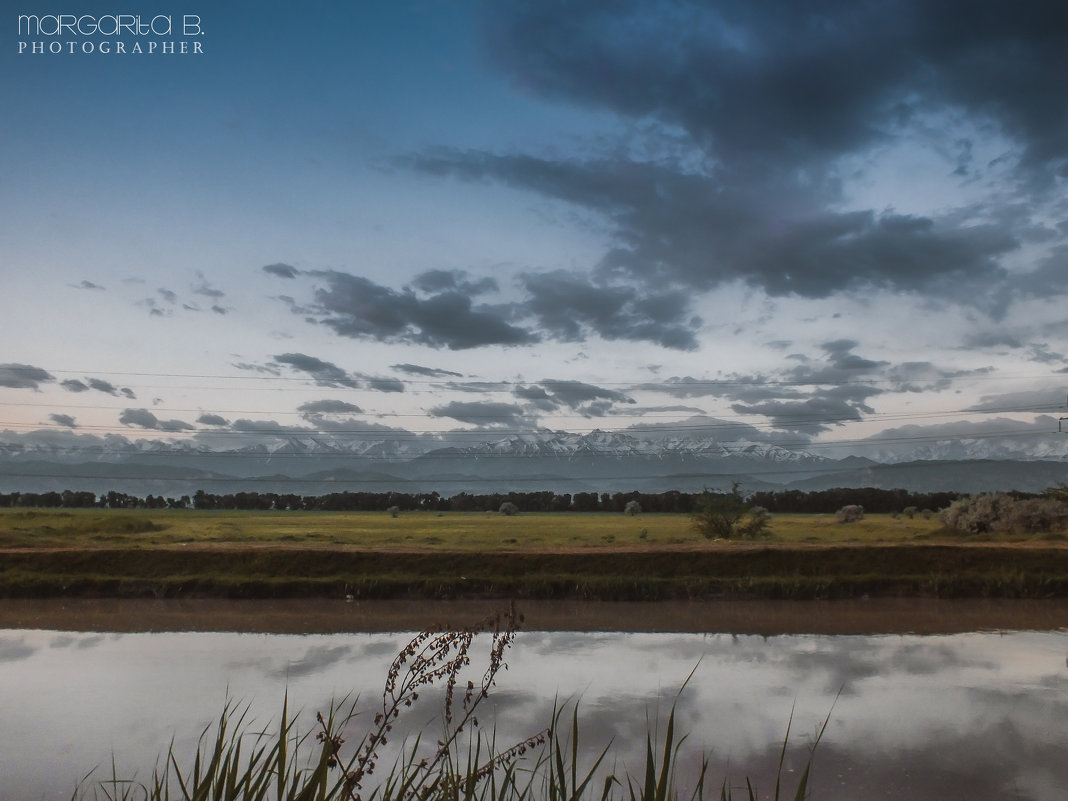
pixel 236 762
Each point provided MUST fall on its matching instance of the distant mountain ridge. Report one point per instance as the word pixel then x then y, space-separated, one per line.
pixel 601 461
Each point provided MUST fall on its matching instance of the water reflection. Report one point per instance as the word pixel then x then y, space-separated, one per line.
pixel 969 715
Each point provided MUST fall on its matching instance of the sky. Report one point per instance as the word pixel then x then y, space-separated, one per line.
pixel 819 224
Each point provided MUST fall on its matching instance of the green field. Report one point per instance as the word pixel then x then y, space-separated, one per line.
pixel 177 553
pixel 465 531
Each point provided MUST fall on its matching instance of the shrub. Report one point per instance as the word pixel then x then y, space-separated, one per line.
pixel 509 508
pixel 909 512
pixel 756 525
pixel 722 514
pixel 998 512
pixel 977 514
pixel 394 511
pixel 632 508
pixel 849 514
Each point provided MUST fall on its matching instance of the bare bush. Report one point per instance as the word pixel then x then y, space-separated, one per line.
pixel 394 511
pixel 509 508
pixel 849 514
pixel 977 514
pixel 632 508
pixel 909 512
pixel 757 525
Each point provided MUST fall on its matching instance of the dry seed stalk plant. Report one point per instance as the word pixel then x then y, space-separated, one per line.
pixel 435 655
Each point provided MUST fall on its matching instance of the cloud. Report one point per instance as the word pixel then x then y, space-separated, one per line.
pixel 205 289
pixel 326 374
pixel 98 384
pixel 484 414
pixel 551 395
pixel 433 281
pixel 429 372
pixel 89 285
pixel 926 377
pixel 793 84
pixel 358 308
pixel 569 307
pixel 820 412
pixel 142 418
pixel 329 407
pixel 701 426
pixel 1050 399
pixel 265 427
pixel 576 393
pixel 385 384
pixel 23 376
pixel 212 420
pixel 168 295
pixel 281 270
pixel 746 123
pixel 63 420
pixel 694 230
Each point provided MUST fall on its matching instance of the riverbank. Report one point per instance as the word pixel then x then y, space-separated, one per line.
pixel 303 616
pixel 715 570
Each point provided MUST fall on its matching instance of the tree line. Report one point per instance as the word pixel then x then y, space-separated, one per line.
pixel 874 501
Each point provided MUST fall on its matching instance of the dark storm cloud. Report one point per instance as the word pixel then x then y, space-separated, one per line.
pixel 485 414
pixel 142 418
pixel 429 372
pixel 23 376
pixel 326 374
pixel 63 420
pixel 792 82
pixel 747 109
pixel 698 231
pixel 212 420
pixel 74 385
pixel 356 307
pixel 281 270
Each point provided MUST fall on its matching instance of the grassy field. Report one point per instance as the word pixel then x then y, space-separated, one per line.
pixel 464 531
pixel 171 553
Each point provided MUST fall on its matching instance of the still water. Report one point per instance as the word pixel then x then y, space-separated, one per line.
pixel 974 712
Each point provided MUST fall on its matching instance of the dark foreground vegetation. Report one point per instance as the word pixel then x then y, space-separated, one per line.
pixel 460 761
pixel 875 501
pixel 759 571
pixel 983 546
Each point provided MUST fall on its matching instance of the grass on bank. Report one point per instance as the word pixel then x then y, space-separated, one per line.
pixel 461 761
pixel 463 531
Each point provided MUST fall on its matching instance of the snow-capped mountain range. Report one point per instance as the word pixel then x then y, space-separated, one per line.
pixel 567 462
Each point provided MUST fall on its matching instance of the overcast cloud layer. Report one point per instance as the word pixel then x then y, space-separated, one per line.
pixel 771 221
